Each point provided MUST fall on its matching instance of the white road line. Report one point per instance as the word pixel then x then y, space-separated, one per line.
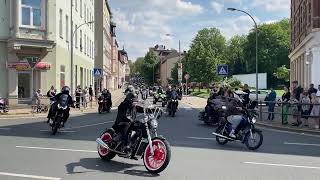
pixel 282 165
pixel 28 176
pixel 301 144
pixel 56 149
pixel 59 131
pixel 89 125
pixel 201 138
pixel 288 132
pixel 8 129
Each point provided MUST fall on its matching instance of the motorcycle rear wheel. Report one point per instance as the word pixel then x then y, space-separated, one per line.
pixel 220 140
pixel 105 154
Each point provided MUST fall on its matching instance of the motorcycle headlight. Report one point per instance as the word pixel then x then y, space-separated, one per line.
pixel 154 124
pixel 224 107
pixel 253 120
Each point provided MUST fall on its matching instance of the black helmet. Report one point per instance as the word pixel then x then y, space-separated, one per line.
pixel 130 97
pixel 65 90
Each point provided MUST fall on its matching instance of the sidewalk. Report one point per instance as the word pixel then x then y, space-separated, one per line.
pixel 200 103
pixel 26 112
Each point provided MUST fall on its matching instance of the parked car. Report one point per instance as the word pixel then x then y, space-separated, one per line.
pixel 262 94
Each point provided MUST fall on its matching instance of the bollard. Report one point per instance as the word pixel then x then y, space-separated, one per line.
pixel 260 109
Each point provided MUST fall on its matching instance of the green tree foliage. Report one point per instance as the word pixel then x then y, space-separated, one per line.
pixel 206 51
pixel 273 49
pixel 235 54
pixel 148 67
pixel 136 67
pixel 282 73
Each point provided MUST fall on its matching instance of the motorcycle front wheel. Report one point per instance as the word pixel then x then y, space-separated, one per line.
pixel 160 159
pixel 255 141
pixel 56 125
pixel 221 130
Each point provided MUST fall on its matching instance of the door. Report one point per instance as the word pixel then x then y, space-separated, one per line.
pixel 24 87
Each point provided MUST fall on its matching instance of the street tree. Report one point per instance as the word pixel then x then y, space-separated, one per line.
pixel 282 73
pixel 235 54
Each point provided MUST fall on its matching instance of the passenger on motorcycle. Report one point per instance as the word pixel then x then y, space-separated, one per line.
pixel 234 112
pixel 54 106
pixel 124 120
pixel 106 95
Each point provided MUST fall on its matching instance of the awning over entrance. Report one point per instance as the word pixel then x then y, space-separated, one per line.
pixel 24 66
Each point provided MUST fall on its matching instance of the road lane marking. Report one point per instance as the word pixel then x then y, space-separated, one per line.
pixel 282 165
pixel 301 144
pixel 89 125
pixel 28 176
pixel 56 149
pixel 59 131
pixel 201 138
pixel 7 129
pixel 288 132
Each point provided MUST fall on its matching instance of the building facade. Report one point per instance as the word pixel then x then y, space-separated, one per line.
pixel 103 43
pixel 122 66
pixel 114 57
pixel 305 38
pixel 166 66
pixel 40 31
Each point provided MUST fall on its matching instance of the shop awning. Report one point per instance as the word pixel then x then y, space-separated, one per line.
pixel 24 66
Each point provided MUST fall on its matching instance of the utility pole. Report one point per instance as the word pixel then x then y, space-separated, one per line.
pixel 71 48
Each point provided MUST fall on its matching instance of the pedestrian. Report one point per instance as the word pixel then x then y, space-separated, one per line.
pixel 315 112
pixel 85 97
pixel 90 93
pixel 318 92
pixel 285 105
pixel 305 108
pixel 246 97
pixel 51 93
pixel 271 99
pixel 312 90
pixel 296 94
pixel 78 96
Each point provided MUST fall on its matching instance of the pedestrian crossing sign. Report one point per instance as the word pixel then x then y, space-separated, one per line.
pixel 223 70
pixel 97 72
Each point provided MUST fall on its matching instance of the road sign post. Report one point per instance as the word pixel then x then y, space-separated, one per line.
pixel 186 77
pixel 180 72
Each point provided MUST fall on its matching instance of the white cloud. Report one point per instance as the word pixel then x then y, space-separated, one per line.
pixel 188 7
pixel 217 7
pixel 272 5
pixel 270 21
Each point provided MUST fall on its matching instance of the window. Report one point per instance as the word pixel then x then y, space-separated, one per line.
pixel 76 36
pixel 81 40
pixel 90 48
pixel 67 29
pixel 81 8
pixel 85 43
pixel 31 13
pixel 60 23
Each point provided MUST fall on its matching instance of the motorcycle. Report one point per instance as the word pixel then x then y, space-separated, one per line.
pixel 58 118
pixel 172 105
pixel 104 105
pixel 145 142
pixel 159 97
pixel 216 114
pixel 3 106
pixel 246 132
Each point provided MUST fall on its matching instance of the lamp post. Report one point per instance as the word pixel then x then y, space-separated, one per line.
pixel 256 29
pixel 71 54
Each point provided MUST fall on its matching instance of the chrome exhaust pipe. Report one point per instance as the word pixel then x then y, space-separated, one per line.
pixel 103 144
pixel 222 136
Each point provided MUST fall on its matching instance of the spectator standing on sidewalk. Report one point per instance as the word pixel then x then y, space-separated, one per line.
pixel 90 93
pixel 318 92
pixel 246 97
pixel 312 90
pixel 78 96
pixel 296 92
pixel 271 98
pixel 305 108
pixel 285 105
pixel 315 112
pixel 85 97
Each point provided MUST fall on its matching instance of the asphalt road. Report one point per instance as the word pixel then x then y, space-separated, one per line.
pixel 28 151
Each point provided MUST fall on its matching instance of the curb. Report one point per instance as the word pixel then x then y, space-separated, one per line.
pixel 286 128
pixel 41 115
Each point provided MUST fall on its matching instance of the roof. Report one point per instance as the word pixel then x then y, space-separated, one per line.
pixel 173 54
pixel 108 6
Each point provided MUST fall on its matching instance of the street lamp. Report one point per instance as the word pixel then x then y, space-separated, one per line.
pixel 72 36
pixel 256 29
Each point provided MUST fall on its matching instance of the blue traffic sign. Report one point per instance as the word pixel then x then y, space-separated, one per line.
pixel 223 70
pixel 97 72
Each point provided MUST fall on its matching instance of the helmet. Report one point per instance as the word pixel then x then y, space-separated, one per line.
pixel 130 97
pixel 65 90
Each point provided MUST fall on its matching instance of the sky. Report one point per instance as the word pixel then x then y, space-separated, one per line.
pixel 144 23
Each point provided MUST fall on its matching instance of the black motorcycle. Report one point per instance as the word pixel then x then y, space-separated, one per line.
pixel 104 104
pixel 58 118
pixel 172 105
pixel 215 112
pixel 145 143
pixel 246 132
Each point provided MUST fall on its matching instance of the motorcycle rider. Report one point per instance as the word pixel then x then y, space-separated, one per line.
pixel 54 106
pixel 106 95
pixel 234 112
pixel 123 121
